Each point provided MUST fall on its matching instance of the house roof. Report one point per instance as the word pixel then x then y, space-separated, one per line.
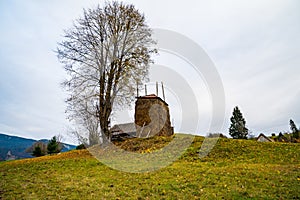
pixel 123 128
pixel 265 137
pixel 151 96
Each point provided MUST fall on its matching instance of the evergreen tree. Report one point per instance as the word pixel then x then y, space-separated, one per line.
pixel 238 128
pixel 37 152
pixel 53 146
pixel 294 129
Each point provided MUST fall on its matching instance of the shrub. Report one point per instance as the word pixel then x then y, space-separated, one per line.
pixel 37 152
pixel 81 146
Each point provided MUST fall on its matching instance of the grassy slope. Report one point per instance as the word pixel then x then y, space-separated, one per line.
pixel 234 169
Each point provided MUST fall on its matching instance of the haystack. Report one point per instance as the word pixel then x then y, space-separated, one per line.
pixel 152 117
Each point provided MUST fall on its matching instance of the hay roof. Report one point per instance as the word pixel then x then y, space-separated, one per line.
pixel 151 96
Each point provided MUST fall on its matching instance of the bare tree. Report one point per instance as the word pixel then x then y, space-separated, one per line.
pixel 59 139
pixel 105 54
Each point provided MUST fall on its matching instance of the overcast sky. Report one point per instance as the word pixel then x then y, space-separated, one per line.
pixel 255 46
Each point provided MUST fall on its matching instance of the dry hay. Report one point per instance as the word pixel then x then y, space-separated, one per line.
pixel 152 117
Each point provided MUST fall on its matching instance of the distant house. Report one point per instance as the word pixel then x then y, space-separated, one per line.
pixel 123 131
pixel 263 138
pixel 10 156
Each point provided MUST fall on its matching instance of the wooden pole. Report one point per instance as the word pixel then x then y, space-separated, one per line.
pixel 145 90
pixel 163 90
pixel 156 88
pixel 137 89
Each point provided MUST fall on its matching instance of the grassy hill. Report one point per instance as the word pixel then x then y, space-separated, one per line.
pixel 234 169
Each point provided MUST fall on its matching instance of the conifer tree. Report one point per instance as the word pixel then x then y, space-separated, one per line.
pixel 294 129
pixel 238 128
pixel 37 152
pixel 53 146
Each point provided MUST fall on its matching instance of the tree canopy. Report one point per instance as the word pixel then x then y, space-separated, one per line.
pixel 106 53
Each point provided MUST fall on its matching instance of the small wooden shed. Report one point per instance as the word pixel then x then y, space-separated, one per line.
pixel 123 131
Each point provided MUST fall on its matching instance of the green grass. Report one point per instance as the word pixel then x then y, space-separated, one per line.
pixel 234 169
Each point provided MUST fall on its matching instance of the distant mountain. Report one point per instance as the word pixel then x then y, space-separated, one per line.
pixel 13 147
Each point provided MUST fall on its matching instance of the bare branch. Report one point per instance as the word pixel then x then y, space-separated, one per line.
pixel 105 53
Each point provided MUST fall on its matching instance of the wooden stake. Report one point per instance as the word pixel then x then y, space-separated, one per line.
pixel 137 89
pixel 163 90
pixel 156 88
